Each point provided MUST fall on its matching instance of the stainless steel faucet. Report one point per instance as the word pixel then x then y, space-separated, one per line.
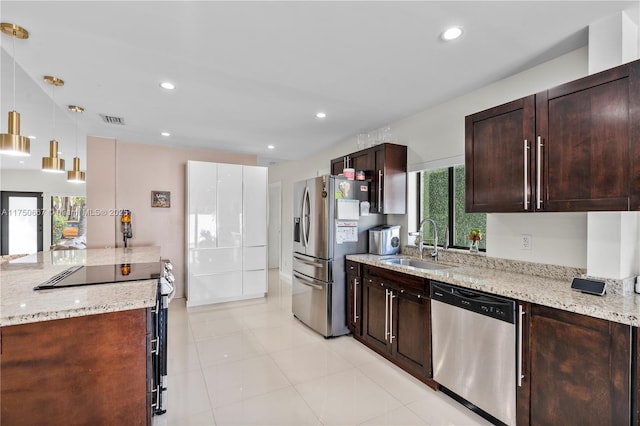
pixel 434 253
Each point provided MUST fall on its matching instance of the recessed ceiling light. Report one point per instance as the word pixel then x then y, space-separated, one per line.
pixel 167 85
pixel 31 137
pixel 321 115
pixel 21 161
pixel 451 33
pixel 165 134
pixel 271 147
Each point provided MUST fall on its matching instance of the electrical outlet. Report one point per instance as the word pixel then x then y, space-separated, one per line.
pixel 526 241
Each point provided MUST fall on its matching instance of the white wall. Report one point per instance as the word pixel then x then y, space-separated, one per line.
pixel 48 184
pixel 556 238
pixel 438 133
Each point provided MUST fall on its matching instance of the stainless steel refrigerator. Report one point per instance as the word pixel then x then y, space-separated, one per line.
pixel 327 226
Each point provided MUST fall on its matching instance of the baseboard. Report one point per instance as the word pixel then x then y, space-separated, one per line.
pixel 285 277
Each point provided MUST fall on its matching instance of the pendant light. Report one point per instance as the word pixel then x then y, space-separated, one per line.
pixel 12 143
pixel 75 175
pixel 53 163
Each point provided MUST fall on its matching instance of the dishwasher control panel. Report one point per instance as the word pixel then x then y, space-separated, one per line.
pixel 475 301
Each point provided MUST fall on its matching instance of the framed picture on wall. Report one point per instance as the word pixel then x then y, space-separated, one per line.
pixel 160 199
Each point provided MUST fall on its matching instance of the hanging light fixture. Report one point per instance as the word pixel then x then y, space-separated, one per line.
pixel 53 163
pixel 76 175
pixel 12 143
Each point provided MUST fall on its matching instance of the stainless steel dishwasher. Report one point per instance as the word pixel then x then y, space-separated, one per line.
pixel 474 348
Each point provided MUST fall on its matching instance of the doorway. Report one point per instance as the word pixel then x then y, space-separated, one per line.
pixel 275 225
pixel 20 222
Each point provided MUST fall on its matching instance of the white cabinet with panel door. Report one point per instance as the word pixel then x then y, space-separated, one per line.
pixel 226 227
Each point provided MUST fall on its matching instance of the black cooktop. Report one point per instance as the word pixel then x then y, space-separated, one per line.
pixel 103 274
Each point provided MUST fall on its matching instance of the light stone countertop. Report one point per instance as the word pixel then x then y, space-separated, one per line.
pixel 551 292
pixel 20 304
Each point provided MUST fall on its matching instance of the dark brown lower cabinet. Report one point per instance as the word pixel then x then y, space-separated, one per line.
pixel 354 298
pixel 396 319
pixel 87 370
pixel 579 370
pixel 412 343
pixel 576 369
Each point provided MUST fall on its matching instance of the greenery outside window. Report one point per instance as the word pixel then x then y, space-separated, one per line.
pixel 68 222
pixel 441 195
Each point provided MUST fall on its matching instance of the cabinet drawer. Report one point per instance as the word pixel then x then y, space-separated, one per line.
pixel 353 268
pixel 398 280
pixel 254 258
pixel 214 260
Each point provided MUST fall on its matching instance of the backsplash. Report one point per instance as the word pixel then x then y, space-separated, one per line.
pixel 621 286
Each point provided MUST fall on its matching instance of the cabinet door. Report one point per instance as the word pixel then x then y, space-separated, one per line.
pixel 584 132
pixel 215 288
pixel 337 165
pixel 498 158
pixel 377 180
pixel 389 179
pixel 375 315
pixel 85 361
pixel 254 283
pixel 201 204
pixel 410 318
pixel 229 205
pixel 362 160
pixel 354 298
pixel 254 270
pixel 254 206
pixel 580 369
pixel 354 304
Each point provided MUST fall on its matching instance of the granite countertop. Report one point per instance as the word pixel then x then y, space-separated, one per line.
pixel 547 291
pixel 20 304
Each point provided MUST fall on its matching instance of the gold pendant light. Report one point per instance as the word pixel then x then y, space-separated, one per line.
pixel 12 143
pixel 75 175
pixel 53 163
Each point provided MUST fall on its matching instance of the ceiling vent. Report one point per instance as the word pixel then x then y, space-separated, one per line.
pixel 110 119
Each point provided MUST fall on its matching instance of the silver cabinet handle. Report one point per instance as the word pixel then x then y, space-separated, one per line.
pixel 520 321
pixel 355 300
pixel 539 174
pixel 379 191
pixel 391 336
pixel 348 161
pixel 526 173
pixel 386 314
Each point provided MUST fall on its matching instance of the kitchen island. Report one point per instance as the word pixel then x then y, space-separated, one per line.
pixel 77 355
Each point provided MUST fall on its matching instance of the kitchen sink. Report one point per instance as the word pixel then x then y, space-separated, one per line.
pixel 415 263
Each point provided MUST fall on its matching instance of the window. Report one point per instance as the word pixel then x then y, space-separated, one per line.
pixel 441 198
pixel 68 226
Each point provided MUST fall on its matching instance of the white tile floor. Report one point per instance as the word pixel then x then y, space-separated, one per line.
pixel 253 363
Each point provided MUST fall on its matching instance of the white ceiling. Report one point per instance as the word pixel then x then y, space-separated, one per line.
pixel 250 74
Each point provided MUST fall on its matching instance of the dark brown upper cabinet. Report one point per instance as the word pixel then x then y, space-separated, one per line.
pixel 570 148
pixel 385 166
